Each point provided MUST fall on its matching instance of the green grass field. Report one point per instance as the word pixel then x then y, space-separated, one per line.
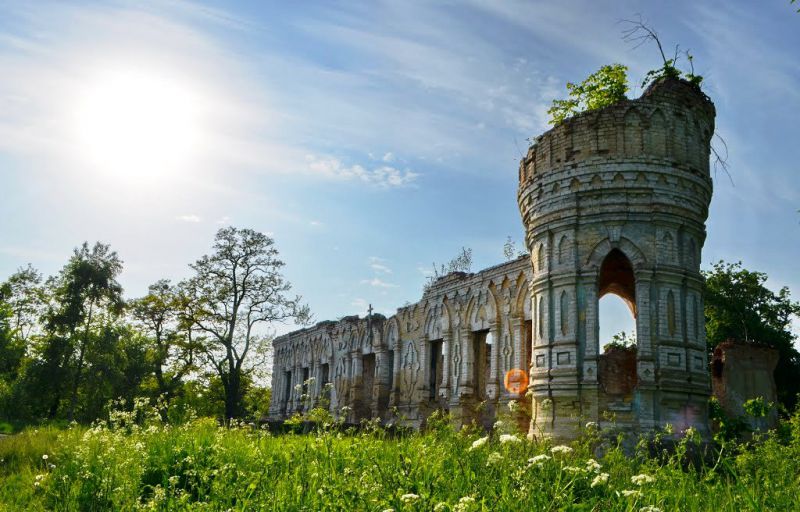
pixel 144 465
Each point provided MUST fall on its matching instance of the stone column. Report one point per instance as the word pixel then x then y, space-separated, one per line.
pixel 493 388
pixel 444 385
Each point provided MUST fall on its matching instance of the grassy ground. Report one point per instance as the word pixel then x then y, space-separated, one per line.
pixel 127 465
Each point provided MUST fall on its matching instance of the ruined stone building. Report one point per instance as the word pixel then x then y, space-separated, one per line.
pixel 612 201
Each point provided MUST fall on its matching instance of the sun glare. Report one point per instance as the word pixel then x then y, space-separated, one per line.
pixel 137 126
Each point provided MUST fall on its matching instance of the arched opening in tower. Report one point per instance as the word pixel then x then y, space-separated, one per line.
pixel 617 296
pixel 617 325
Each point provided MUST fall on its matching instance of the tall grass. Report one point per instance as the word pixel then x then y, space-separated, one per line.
pixel 134 462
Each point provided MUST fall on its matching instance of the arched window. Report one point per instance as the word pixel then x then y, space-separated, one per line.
pixel 564 313
pixel 617 300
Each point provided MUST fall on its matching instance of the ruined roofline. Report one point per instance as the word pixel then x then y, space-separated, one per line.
pixel 442 285
pixel 653 90
pixel 661 117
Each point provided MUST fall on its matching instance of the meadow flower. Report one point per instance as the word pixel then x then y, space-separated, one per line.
pixel 494 458
pixel 573 469
pixel 464 504
pixel 539 459
pixel 409 498
pixel 632 493
pixel 509 438
pixel 592 425
pixel 600 479
pixel 440 507
pixel 593 465
pixel 478 443
pixel 642 479
pixel 649 508
pixel 388 510
pixel 513 406
pixel 566 450
pixel 45 457
pixel 498 425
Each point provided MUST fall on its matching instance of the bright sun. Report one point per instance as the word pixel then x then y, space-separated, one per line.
pixel 137 126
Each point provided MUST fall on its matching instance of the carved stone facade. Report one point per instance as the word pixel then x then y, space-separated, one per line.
pixel 615 201
pixel 448 351
pixel 612 201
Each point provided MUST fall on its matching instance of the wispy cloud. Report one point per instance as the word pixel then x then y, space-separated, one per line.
pixel 189 218
pixel 378 283
pixel 379 265
pixel 384 176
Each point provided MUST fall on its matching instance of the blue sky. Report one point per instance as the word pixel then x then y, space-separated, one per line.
pixel 370 139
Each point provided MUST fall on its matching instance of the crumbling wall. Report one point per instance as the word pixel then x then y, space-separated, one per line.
pixel 743 371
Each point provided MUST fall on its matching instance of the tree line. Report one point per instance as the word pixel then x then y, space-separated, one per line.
pixel 71 343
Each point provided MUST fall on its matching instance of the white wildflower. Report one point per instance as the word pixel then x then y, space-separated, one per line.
pixel 642 479
pixel 494 458
pixel 498 425
pixel 561 449
pixel 593 465
pixel 440 507
pixel 513 406
pixel 539 459
pixel 509 438
pixel 388 510
pixel 464 504
pixel 478 443
pixel 649 508
pixel 600 479
pixel 409 498
pixel 592 425
pixel 45 457
pixel 632 493
pixel 573 469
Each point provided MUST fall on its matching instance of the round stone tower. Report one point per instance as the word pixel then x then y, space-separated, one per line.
pixel 615 201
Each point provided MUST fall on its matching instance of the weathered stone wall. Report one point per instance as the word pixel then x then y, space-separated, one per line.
pixel 459 314
pixel 615 201
pixel 743 371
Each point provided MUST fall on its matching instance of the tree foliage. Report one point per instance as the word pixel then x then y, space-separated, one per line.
pixel 235 290
pixel 738 305
pixel 604 87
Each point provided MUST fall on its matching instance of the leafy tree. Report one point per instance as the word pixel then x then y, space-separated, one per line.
pixel 26 297
pixel 235 291
pixel 172 350
pixel 87 297
pixel 602 88
pixel 739 306
pixel 11 348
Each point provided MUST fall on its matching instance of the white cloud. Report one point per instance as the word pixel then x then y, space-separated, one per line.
pixel 377 283
pixel 189 218
pixel 388 157
pixel 384 176
pixel 315 224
